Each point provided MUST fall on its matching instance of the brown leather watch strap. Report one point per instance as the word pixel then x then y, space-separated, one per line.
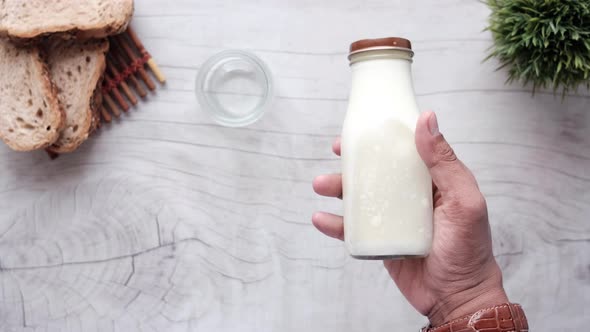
pixel 502 318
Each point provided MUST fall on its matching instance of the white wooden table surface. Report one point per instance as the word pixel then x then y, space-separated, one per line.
pixel 168 222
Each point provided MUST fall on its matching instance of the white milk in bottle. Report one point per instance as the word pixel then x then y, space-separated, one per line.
pixel 387 190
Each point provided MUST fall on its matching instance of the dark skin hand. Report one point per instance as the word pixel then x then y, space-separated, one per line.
pixel 461 275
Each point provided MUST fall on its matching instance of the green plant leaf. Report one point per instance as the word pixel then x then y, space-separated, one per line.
pixel 553 27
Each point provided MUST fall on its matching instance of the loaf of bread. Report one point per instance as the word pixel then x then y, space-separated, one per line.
pixel 81 18
pixel 30 114
pixel 52 59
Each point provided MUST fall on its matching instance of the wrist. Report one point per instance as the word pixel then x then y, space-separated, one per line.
pixel 465 303
pixel 501 317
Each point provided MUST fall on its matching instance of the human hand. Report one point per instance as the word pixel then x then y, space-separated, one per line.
pixel 461 275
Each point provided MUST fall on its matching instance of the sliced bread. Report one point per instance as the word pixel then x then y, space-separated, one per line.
pixel 76 70
pixel 84 19
pixel 30 114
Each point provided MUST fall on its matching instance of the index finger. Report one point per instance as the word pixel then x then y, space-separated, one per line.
pixel 336 146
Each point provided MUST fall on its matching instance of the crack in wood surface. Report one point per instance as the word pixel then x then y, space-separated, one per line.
pixel 105 260
pixel 132 269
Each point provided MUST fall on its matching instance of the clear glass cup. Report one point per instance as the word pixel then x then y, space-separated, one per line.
pixel 235 87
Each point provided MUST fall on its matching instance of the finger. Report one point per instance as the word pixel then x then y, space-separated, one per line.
pixel 328 185
pixel 329 224
pixel 448 173
pixel 336 146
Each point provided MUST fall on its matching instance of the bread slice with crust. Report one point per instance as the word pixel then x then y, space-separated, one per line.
pixel 83 19
pixel 30 114
pixel 76 70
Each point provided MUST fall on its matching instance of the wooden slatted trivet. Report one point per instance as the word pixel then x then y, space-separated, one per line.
pixel 126 76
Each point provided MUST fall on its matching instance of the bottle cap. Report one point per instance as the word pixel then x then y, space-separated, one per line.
pixel 392 43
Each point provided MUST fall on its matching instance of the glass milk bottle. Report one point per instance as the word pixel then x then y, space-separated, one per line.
pixel 387 190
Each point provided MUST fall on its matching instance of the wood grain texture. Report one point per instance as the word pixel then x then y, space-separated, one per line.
pixel 166 222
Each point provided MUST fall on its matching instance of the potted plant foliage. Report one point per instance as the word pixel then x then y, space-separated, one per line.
pixel 542 42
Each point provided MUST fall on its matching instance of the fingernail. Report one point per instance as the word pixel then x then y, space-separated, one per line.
pixel 433 125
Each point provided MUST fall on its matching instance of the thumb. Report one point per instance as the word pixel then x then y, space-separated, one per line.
pixel 448 173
